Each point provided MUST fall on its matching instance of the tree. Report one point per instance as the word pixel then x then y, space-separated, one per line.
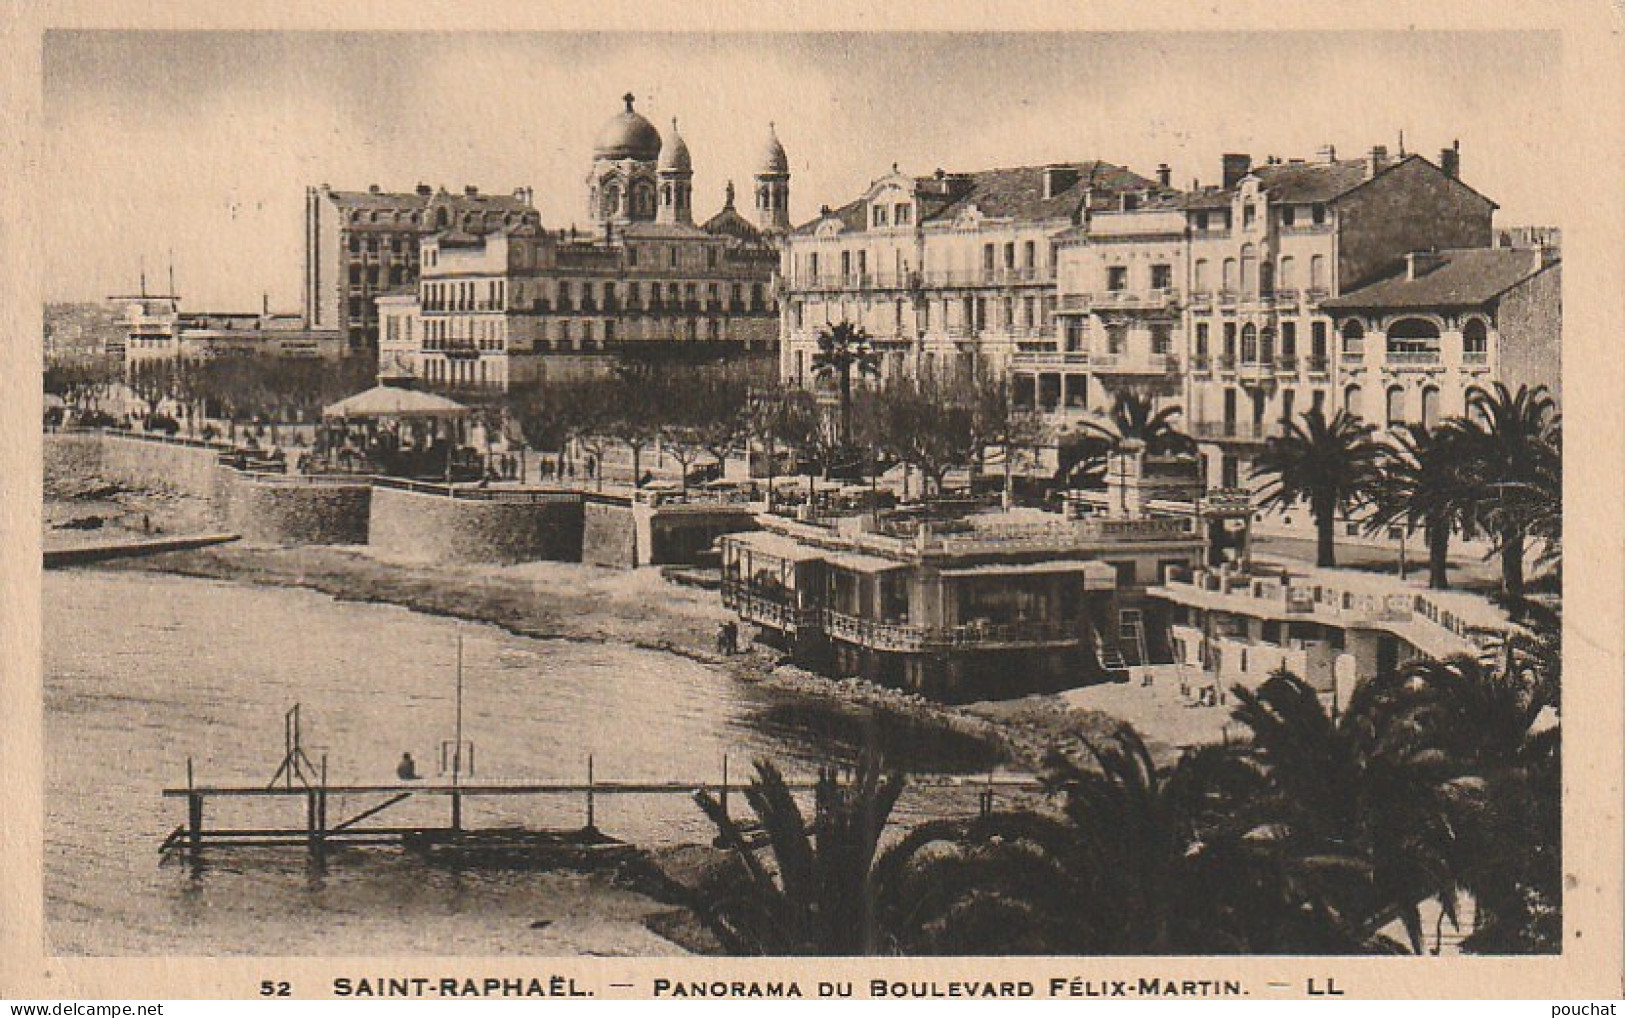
pixel 1331 465
pixel 926 422
pixel 1423 480
pixel 778 417
pixel 844 348
pixel 999 421
pixel 819 896
pixel 1491 726
pixel 1135 416
pixel 1511 439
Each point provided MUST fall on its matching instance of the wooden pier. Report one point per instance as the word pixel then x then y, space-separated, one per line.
pixel 318 833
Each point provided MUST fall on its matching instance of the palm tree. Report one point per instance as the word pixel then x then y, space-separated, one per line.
pixel 844 348
pixel 818 898
pixel 1141 860
pixel 1423 481
pixel 1511 440
pixel 1356 809
pixel 1135 416
pixel 1492 723
pixel 1331 465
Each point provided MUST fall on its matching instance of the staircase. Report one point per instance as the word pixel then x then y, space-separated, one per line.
pixel 1131 636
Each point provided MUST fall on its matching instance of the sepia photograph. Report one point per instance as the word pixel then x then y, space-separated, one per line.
pixel 802 494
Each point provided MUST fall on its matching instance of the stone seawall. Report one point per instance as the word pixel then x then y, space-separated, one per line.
pixel 294 512
pixel 434 528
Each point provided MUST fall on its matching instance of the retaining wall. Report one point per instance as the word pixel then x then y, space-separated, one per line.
pixel 294 512
pixel 435 528
pixel 609 535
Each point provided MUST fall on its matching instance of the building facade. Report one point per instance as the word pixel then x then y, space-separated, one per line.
pixel 943 270
pixel 518 303
pixel 1412 345
pixel 155 329
pixel 1217 297
pixel 360 245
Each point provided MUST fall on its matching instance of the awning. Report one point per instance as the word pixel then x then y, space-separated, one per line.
pixel 775 546
pixel 863 563
pixel 391 401
pixel 1096 575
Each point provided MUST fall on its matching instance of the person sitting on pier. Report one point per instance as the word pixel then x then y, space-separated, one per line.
pixel 407 769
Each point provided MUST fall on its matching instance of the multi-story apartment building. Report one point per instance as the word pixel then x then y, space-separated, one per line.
pixel 941 270
pixel 1216 297
pixel 517 303
pixel 1411 345
pixel 360 245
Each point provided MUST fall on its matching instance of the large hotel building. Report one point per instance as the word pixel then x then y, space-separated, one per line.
pixel 493 299
pixel 1376 284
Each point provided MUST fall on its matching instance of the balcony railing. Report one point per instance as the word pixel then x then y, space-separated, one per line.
pixel 905 638
pixel 1050 359
pixel 754 606
pixel 1317 365
pixel 1475 358
pixel 1285 365
pixel 1412 358
pixel 1074 302
pixel 1355 356
pixel 1126 364
pixel 1131 300
pixel 1237 431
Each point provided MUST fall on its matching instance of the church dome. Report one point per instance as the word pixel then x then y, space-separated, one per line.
pixel 773 158
pixel 674 157
pixel 628 135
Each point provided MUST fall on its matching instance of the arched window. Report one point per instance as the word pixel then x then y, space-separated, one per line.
pixel 442 218
pixel 1266 278
pixel 1249 344
pixel 1317 272
pixel 1413 339
pixel 1228 284
pixel 1200 280
pixel 1351 400
pixel 1289 271
pixel 1396 406
pixel 1353 339
pixel 1249 269
pixel 1266 346
pixel 1475 340
pixel 1430 407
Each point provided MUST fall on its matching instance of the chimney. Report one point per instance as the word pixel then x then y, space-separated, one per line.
pixel 1377 161
pixel 1165 175
pixel 1326 154
pixel 424 190
pixel 1420 263
pixel 471 191
pixel 374 189
pixel 1235 165
pixel 1450 160
pixel 523 194
pixel 1058 177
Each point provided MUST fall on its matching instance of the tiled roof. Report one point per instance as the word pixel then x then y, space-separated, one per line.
pixel 1461 278
pixel 1290 182
pixel 730 223
pixel 653 230
pixel 851 217
pixel 1008 193
pixel 1018 192
pixel 407 201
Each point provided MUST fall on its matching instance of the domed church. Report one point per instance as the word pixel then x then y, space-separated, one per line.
pixel 512 302
pixel 638 177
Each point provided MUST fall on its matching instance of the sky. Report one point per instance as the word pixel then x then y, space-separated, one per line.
pixel 196 147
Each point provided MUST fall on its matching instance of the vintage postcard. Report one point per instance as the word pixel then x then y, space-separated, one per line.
pixel 1057 502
